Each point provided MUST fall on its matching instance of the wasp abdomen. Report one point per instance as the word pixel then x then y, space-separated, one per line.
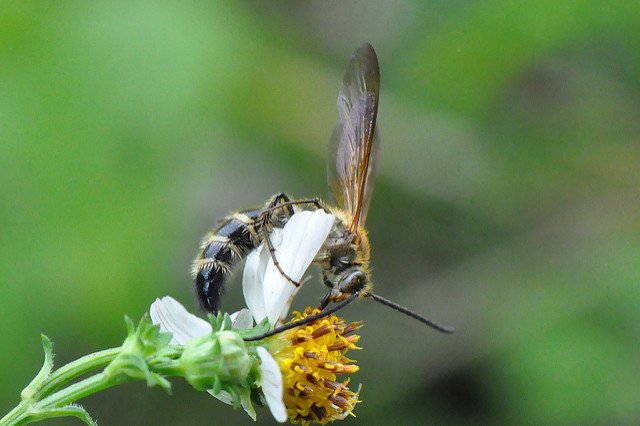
pixel 219 253
pixel 234 238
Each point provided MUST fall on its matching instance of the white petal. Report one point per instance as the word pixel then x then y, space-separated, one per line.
pixel 174 318
pixel 253 277
pixel 302 238
pixel 242 319
pixel 252 284
pixel 272 385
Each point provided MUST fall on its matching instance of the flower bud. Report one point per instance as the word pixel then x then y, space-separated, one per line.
pixel 216 360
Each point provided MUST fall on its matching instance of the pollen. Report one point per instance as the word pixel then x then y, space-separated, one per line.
pixel 310 359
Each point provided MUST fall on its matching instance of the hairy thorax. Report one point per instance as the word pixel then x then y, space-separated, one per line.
pixel 344 258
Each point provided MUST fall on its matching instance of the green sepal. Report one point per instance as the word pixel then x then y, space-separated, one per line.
pixel 143 344
pixel 220 322
pixel 217 385
pixel 258 329
pixel 246 397
pixel 216 361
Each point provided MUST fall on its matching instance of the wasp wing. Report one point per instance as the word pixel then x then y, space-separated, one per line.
pixel 354 147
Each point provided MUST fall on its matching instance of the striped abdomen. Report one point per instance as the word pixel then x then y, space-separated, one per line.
pixel 220 251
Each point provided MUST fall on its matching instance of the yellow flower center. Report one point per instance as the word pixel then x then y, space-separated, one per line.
pixel 310 358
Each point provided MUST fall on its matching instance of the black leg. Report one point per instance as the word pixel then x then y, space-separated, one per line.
pixel 280 201
pixel 272 251
pixel 304 321
pixel 313 201
pixel 325 301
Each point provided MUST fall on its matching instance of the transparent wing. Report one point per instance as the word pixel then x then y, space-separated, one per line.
pixel 354 147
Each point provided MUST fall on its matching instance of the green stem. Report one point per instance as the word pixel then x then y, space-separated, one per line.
pixel 81 389
pixel 144 355
pixel 55 405
pixel 77 368
pixel 13 415
pixel 44 399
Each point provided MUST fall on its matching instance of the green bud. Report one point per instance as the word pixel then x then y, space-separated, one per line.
pixel 216 360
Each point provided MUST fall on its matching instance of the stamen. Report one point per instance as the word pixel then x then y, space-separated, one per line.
pixel 321 331
pixel 332 385
pixel 352 327
pixel 330 365
pixel 320 412
pixel 338 346
pixel 339 401
pixel 300 339
pixel 302 369
pixel 310 357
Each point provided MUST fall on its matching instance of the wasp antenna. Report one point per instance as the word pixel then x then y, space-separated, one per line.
pixel 409 312
pixel 303 321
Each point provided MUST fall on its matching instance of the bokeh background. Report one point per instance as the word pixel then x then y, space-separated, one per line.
pixel 507 203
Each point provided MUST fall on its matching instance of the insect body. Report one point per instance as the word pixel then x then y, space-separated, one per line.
pixel 236 236
pixel 344 256
pixel 345 260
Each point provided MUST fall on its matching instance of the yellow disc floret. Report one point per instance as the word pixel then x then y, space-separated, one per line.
pixel 310 358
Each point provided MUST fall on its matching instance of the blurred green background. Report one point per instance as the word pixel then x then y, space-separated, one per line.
pixel 507 204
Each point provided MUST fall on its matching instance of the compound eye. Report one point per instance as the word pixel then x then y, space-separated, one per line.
pixel 353 282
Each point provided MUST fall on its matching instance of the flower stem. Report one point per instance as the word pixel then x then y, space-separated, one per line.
pixel 47 403
pixel 12 416
pixel 81 389
pixel 76 369
pixel 144 355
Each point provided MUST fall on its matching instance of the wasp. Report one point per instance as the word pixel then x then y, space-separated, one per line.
pixel 345 255
pixel 235 237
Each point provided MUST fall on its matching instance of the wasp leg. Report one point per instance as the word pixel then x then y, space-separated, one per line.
pixel 314 201
pixel 278 201
pixel 281 201
pixel 325 301
pixel 272 251
pixel 303 321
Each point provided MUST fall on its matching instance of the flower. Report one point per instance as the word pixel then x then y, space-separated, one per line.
pixel 310 357
pixel 297 244
pixel 295 371
pixel 200 341
pixel 298 368
pixel 216 357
